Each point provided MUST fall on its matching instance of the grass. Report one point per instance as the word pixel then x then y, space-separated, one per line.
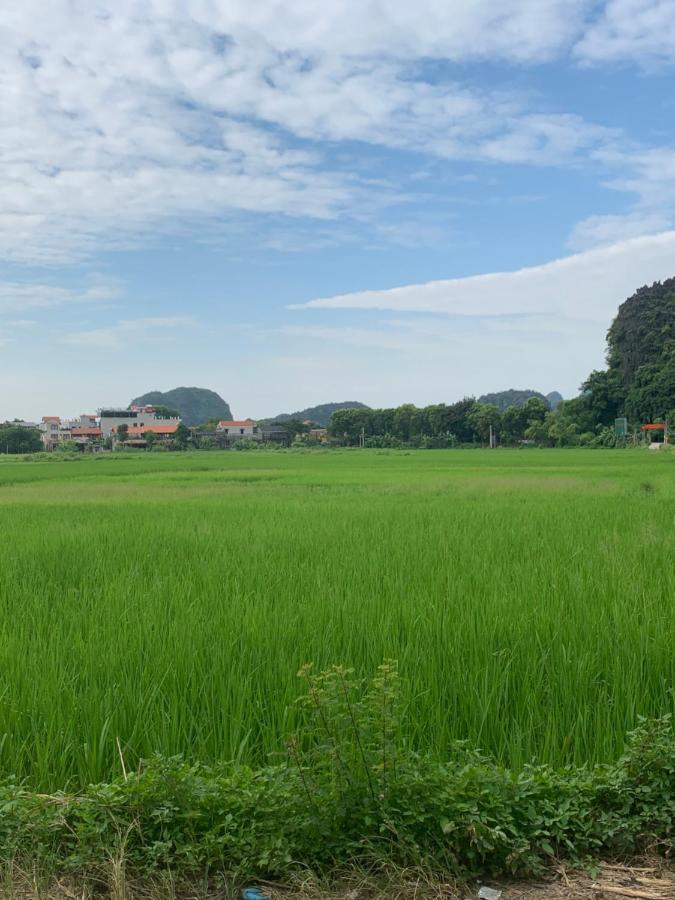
pixel 164 602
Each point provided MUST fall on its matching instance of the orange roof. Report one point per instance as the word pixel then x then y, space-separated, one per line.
pixel 659 426
pixel 51 418
pixel 224 422
pixel 139 430
pixel 86 432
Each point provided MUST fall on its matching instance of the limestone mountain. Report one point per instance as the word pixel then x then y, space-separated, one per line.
pixel 503 399
pixel 195 405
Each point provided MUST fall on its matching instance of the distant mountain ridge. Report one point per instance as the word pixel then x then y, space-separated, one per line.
pixel 195 405
pixel 503 399
pixel 555 398
pixel 320 414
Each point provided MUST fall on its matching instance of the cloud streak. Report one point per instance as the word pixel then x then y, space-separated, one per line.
pixel 128 333
pixel 583 286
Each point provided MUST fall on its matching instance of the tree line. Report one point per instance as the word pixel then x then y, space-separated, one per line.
pixel 638 384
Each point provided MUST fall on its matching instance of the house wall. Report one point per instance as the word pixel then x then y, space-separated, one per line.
pixel 246 429
pixel 132 419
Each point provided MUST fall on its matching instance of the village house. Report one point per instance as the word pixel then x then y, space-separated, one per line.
pixel 319 434
pixel 136 417
pixel 137 434
pixel 237 427
pixel 82 431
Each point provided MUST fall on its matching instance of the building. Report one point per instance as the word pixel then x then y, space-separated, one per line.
pixel 51 431
pixel 21 423
pixel 85 436
pixel 319 434
pixel 141 417
pixel 137 434
pixel 237 427
pixel 83 431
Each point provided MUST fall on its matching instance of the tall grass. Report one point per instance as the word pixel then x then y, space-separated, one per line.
pixel 166 601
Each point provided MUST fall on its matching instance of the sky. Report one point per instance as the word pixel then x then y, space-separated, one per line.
pixel 297 203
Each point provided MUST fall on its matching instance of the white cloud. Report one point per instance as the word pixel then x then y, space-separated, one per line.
pixel 128 333
pixel 642 31
pixel 586 286
pixel 16 296
pixel 121 119
pixel 597 231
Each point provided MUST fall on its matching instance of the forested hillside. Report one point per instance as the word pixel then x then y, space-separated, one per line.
pixel 319 414
pixel 195 405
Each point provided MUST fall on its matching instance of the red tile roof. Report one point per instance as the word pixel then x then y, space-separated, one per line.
pixel 86 432
pixel 139 430
pixel 231 422
pixel 51 418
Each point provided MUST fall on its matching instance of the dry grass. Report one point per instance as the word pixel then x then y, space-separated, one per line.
pixel 652 879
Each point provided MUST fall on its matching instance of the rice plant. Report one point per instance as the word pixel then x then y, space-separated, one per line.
pixel 165 602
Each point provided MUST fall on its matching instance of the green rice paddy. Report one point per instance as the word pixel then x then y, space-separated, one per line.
pixel 164 602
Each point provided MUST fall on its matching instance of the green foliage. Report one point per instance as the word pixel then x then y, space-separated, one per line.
pixel 640 379
pixel 643 332
pixel 517 419
pixel 122 433
pixel 195 405
pixel 602 398
pixel 150 438
pixel 246 443
pixel 404 426
pixel 320 415
pixel 503 400
pixel 482 418
pixel 294 427
pixel 352 789
pixel 651 395
pixel 19 439
pixel 67 446
pixel 181 437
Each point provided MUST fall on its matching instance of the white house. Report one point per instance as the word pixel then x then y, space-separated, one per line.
pixel 237 427
pixel 137 417
pixel 49 427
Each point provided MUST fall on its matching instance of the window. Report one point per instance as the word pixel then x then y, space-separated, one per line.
pixel 241 431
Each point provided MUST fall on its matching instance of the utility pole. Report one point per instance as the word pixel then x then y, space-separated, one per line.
pixel 491 436
pixel 362 438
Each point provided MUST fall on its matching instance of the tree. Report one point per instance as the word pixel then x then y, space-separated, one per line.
pixel 67 446
pixel 482 417
pixel 651 396
pixel 604 396
pixel 150 438
pixel 181 437
pixel 122 433
pixel 457 419
pixel 19 439
pixel 293 426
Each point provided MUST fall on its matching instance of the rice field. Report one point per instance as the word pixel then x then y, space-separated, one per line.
pixel 165 602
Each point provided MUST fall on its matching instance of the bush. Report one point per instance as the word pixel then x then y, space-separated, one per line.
pixel 350 789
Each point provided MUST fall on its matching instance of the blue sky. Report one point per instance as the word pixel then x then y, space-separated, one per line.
pixel 386 202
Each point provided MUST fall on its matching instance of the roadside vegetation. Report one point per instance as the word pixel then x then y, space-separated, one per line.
pixel 350 791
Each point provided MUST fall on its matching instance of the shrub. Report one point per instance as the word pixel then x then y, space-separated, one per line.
pixel 351 789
